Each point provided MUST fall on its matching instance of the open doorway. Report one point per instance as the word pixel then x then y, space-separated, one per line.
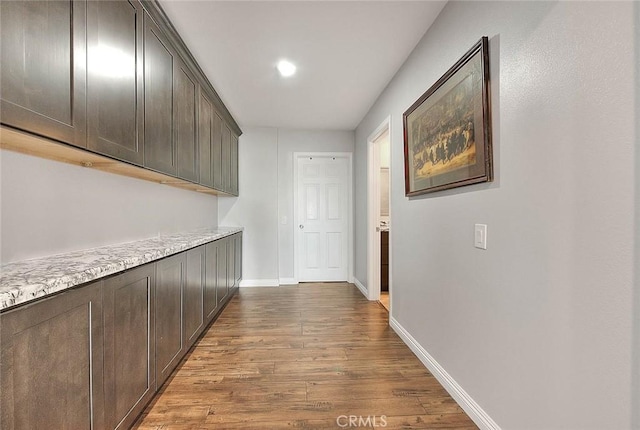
pixel 379 225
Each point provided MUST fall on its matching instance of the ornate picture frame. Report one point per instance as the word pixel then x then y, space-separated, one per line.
pixel 447 131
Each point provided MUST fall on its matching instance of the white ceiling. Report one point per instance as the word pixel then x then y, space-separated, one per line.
pixel 346 53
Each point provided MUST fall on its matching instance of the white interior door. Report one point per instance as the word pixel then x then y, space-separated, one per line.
pixel 323 218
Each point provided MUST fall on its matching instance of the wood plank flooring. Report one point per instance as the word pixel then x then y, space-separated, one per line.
pixel 384 299
pixel 302 357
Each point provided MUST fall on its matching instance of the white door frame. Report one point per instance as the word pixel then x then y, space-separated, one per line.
pixel 373 211
pixel 296 245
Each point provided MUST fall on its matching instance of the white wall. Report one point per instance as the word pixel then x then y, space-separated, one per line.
pixel 538 328
pixel 257 207
pixel 266 196
pixel 50 208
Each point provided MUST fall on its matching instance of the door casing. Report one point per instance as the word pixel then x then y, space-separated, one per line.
pixel 373 212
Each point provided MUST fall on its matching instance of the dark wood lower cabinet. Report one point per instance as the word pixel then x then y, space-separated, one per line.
pixel 51 364
pixel 211 301
pixel 169 289
pixel 93 357
pixel 223 280
pixel 238 257
pixel 193 314
pixel 129 301
pixel 231 262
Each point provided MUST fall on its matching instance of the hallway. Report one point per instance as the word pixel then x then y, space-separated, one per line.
pixel 306 356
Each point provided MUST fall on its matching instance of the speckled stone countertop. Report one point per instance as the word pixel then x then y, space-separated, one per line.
pixel 24 281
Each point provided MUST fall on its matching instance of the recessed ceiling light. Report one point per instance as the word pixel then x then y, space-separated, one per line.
pixel 286 68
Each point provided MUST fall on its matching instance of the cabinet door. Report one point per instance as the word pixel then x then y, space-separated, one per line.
pixel 185 92
pixel 211 281
pixel 159 148
pixel 114 57
pixel 51 363
pixel 234 165
pixel 205 137
pixel 226 159
pixel 129 300
pixel 194 295
pixel 170 274
pixel 216 151
pixel 42 68
pixel 223 282
pixel 238 266
pixel 231 261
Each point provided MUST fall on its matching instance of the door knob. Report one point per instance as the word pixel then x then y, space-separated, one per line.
pixel 301 226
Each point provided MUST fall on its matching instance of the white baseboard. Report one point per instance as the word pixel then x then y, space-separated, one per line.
pixel 288 281
pixel 259 283
pixel 361 287
pixel 475 412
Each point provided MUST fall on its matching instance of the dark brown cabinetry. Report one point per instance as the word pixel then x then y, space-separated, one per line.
pixel 233 161
pixel 205 140
pixel 112 76
pixel 211 301
pixel 226 158
pixel 129 345
pixel 384 261
pixel 51 364
pixel 193 310
pixel 103 350
pixel 115 96
pixel 185 122
pixel 159 149
pixel 216 151
pixel 231 262
pixel 169 291
pixel 42 68
pixel 238 257
pixel 223 280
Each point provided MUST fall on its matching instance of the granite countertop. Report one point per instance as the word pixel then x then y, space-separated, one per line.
pixel 27 280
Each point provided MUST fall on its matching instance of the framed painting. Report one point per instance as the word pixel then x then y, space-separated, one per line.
pixel 447 131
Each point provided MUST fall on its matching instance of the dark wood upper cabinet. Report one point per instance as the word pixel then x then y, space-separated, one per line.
pixel 129 300
pixel 159 148
pixel 185 90
pixel 42 68
pixel 114 77
pixel 216 151
pixel 226 159
pixel 53 349
pixel 170 275
pixel 115 96
pixel 205 137
pixel 233 187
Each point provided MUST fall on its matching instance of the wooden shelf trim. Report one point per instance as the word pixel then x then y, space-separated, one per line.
pixel 29 144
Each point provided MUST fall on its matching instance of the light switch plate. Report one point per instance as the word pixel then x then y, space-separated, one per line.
pixel 480 236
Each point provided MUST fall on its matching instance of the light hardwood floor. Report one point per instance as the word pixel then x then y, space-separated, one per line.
pixel 302 357
pixel 384 299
